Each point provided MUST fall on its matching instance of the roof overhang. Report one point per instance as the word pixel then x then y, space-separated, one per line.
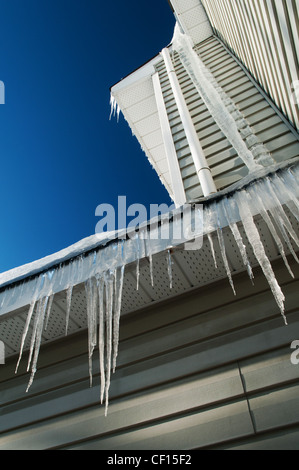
pixel 135 98
pixel 135 95
pixel 191 268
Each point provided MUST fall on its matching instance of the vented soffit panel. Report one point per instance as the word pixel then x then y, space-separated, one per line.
pixel 193 19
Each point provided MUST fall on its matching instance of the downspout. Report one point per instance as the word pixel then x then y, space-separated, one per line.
pixel 202 169
pixel 178 190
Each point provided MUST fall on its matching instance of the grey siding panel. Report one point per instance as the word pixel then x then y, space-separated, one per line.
pixel 186 372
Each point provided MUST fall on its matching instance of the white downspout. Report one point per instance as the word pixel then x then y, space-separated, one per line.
pixel 178 190
pixel 202 169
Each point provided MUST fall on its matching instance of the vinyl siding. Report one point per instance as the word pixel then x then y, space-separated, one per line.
pixel 226 166
pixel 198 371
pixel 263 34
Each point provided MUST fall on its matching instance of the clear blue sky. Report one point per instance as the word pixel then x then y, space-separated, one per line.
pixel 60 155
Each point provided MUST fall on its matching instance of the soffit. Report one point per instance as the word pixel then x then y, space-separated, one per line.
pixel 135 98
pixel 193 19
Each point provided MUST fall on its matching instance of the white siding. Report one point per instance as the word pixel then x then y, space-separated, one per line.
pixel 264 36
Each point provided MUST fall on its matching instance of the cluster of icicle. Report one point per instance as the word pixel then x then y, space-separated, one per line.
pixel 103 298
pixel 115 108
pixel 267 196
pixel 224 111
pixel 264 197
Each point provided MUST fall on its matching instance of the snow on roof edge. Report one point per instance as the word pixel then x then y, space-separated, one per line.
pixel 97 240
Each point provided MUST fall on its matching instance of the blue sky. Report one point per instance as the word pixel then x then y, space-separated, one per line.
pixel 60 155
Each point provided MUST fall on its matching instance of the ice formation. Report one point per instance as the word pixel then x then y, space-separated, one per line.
pixel 115 108
pixel 270 195
pixel 224 111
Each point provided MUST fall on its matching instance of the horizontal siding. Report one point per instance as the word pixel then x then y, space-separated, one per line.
pixel 264 36
pixel 226 166
pixel 199 371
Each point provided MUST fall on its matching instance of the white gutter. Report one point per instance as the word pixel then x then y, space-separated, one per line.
pixel 202 169
pixel 178 189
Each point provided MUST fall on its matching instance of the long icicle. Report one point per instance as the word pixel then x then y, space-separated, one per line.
pixel 119 281
pixel 223 250
pixel 50 303
pixel 210 225
pixel 69 293
pixel 238 238
pixel 25 332
pixel 100 285
pixel 91 322
pixel 258 249
pixel 41 311
pixel 258 194
pixel 137 260
pixel 169 268
pixel 109 285
pixel 281 218
pixel 200 77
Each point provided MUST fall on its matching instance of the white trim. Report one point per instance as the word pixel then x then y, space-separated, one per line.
pixel 142 73
pixel 178 190
pixel 202 168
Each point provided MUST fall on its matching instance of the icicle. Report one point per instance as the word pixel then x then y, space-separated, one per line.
pixel 68 307
pixel 115 108
pixel 203 81
pixel 223 251
pixel 150 257
pixel 290 187
pixel 169 268
pixel 25 332
pixel 91 321
pixel 210 224
pixel 119 281
pixel 210 238
pixel 40 316
pixel 112 105
pixel 258 248
pixel 137 261
pixel 50 302
pixel 238 237
pixel 100 285
pixel 258 194
pixel 280 217
pixel 38 287
pixel 109 313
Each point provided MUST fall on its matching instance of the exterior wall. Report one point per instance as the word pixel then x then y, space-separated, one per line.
pixel 226 166
pixel 196 372
pixel 264 36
